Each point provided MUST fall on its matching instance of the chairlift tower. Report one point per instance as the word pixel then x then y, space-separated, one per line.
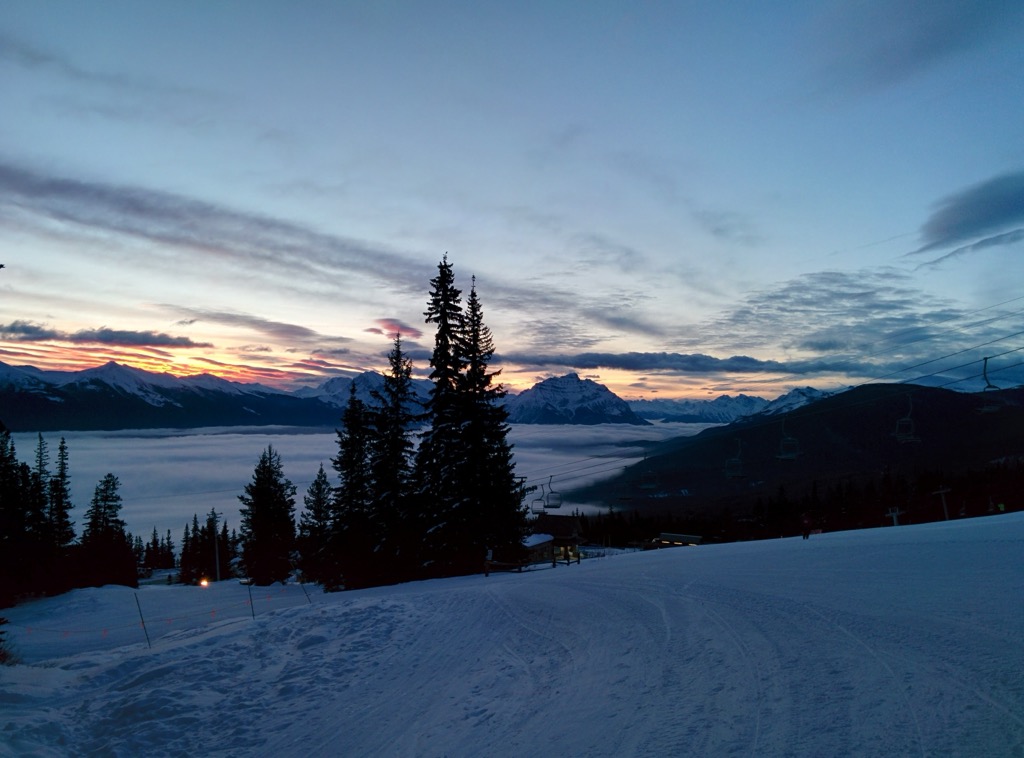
pixel 895 513
pixel 941 492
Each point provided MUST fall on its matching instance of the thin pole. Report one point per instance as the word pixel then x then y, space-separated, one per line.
pixel 252 608
pixel 216 544
pixel 143 620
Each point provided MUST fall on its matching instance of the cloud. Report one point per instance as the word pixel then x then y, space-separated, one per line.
pixel 876 43
pixel 185 232
pixel 728 226
pixel 23 54
pixel 977 218
pixel 840 310
pixel 694 363
pixel 389 327
pixel 126 338
pixel 25 331
pixel 337 352
pixel 288 333
pixel 176 223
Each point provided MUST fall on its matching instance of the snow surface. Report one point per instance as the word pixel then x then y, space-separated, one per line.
pixel 896 641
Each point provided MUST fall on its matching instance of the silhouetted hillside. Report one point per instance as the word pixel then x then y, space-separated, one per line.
pixel 846 460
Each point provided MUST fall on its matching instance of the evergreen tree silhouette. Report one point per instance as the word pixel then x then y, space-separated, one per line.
pixel 106 553
pixel 268 521
pixel 315 526
pixel 392 418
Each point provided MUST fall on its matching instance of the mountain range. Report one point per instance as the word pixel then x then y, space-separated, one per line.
pixel 113 396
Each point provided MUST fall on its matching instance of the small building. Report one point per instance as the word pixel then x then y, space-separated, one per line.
pixel 555 539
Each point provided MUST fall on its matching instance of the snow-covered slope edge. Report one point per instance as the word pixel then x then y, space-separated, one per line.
pixel 829 646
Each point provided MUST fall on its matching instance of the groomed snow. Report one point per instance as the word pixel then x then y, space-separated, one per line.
pixel 897 641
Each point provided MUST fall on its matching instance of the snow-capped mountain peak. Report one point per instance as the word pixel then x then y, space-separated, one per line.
pixel 570 400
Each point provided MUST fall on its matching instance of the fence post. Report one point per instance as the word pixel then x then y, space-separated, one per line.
pixel 143 620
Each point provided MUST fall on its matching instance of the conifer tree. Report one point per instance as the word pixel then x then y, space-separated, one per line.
pixel 185 573
pixel 62 529
pixel 152 558
pixel 268 521
pixel 103 517
pixel 315 526
pixel 354 534
pixel 391 452
pixel 495 513
pixel 441 444
pixel 106 552
pixel 168 551
pixel 12 522
pixel 37 500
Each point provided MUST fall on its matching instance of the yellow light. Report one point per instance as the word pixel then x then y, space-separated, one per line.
pixel 203 582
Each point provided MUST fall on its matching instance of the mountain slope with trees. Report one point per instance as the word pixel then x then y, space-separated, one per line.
pixel 846 461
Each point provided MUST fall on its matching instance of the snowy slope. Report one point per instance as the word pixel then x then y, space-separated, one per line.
pixel 898 641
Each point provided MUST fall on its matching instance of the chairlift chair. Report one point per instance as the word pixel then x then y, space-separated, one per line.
pixel 989 404
pixel 540 503
pixel 734 466
pixel 905 426
pixel 789 446
pixel 554 499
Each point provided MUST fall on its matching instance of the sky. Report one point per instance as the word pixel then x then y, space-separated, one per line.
pixel 876 642
pixel 675 199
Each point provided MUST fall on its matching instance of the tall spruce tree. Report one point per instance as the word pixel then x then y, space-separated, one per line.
pixel 393 418
pixel 103 518
pixel 355 533
pixel 106 552
pixel 464 467
pixel 61 527
pixel 315 527
pixel 496 515
pixel 268 521
pixel 38 500
pixel 441 450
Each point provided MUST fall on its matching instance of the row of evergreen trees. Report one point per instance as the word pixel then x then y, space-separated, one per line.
pixel 399 511
pixel 38 550
pixel 402 511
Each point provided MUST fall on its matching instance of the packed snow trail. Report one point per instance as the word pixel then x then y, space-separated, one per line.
pixel 897 641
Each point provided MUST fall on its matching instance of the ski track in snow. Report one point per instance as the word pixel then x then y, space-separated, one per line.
pixel 900 641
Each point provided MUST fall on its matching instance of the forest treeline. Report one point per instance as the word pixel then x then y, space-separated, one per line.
pixel 398 510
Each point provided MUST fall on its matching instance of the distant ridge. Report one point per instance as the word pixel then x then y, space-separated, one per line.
pixel 114 396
